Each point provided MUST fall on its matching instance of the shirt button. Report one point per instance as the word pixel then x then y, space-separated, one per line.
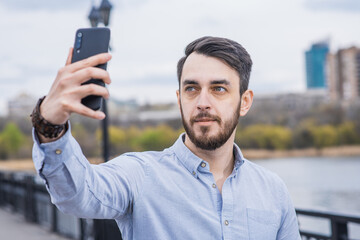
pixel 203 164
pixel 226 222
pixel 193 173
pixel 214 185
pixel 58 151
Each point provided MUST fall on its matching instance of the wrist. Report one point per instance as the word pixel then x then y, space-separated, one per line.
pixel 46 130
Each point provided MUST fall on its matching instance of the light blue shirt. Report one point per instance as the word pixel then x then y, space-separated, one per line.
pixel 167 195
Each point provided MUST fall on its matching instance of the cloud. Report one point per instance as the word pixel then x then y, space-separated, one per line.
pixel 148 38
pixel 333 5
pixel 44 4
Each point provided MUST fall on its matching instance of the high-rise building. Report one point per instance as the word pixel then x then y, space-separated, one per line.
pixel 315 65
pixel 343 74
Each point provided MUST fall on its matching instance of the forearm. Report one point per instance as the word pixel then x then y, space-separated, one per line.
pixel 69 179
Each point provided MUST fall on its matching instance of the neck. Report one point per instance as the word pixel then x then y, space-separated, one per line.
pixel 221 160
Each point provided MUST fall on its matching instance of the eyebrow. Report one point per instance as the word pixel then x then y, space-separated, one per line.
pixel 214 82
pixel 190 82
pixel 220 82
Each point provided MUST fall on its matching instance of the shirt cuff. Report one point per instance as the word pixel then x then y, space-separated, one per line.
pixel 51 152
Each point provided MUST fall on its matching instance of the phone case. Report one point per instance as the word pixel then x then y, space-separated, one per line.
pixel 89 42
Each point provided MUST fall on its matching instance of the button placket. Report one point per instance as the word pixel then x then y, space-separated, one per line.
pixel 227 208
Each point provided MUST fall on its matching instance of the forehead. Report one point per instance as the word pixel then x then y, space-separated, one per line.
pixel 204 68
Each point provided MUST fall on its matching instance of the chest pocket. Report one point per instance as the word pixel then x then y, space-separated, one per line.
pixel 263 224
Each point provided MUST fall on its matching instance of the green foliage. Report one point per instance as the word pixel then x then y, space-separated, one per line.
pixel 264 136
pixel 11 139
pixel 324 136
pixel 308 132
pixel 347 134
pixel 157 138
pixel 86 139
pixel 302 134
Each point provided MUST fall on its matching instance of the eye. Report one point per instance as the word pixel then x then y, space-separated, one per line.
pixel 219 89
pixel 190 89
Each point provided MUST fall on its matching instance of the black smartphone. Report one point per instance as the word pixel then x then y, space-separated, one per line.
pixel 89 42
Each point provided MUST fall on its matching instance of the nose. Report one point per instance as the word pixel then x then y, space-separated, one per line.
pixel 203 101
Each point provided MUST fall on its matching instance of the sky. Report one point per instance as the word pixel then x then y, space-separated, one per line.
pixel 149 36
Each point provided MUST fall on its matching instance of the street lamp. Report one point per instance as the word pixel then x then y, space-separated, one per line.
pixel 104 229
pixel 100 14
pixel 105 8
pixel 96 16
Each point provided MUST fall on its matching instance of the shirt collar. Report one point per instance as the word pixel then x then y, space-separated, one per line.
pixel 186 157
pixel 192 162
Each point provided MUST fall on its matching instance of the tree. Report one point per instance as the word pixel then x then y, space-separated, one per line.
pixel 324 136
pixel 264 136
pixel 157 138
pixel 11 139
pixel 347 134
pixel 302 134
pixel 86 138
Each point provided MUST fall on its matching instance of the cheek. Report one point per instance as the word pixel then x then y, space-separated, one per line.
pixel 187 107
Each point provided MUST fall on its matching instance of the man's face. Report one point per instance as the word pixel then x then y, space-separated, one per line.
pixel 209 100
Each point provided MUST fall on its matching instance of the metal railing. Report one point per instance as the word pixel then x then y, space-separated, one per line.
pixel 25 193
pixel 338 224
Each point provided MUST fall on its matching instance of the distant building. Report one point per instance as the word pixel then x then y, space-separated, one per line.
pixel 126 111
pixel 315 65
pixel 343 74
pixel 21 105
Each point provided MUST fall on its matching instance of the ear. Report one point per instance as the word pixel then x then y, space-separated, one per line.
pixel 178 97
pixel 246 102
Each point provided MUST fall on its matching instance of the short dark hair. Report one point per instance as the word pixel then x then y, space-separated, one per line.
pixel 229 51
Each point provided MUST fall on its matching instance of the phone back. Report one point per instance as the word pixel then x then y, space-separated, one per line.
pixel 89 42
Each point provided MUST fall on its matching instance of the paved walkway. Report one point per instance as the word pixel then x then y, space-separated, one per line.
pixel 14 227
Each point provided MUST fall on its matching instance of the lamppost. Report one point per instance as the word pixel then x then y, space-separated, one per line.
pixel 100 14
pixel 96 16
pixel 104 229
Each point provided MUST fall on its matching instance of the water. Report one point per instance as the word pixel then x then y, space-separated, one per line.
pixel 321 183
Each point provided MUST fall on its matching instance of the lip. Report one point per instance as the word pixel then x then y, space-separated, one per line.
pixel 205 120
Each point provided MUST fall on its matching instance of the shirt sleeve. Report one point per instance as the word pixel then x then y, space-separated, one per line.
pixel 105 191
pixel 289 228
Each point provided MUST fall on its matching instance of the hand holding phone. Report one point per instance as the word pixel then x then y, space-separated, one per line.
pixel 89 42
pixel 68 91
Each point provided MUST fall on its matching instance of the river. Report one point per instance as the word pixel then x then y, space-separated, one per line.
pixel 321 183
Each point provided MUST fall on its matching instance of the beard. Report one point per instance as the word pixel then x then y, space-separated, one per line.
pixel 204 141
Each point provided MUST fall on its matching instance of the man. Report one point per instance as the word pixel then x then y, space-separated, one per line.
pixel 200 188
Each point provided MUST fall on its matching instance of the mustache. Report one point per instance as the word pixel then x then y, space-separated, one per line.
pixel 205 115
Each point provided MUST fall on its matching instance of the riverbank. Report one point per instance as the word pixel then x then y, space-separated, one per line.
pixel 251 154
pixel 344 151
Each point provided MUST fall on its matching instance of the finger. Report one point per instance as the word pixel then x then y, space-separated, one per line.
pixel 86 74
pixel 68 60
pixel 92 89
pixel 87 112
pixel 90 62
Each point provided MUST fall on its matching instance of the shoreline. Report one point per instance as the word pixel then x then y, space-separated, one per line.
pixel 346 151
pixel 250 154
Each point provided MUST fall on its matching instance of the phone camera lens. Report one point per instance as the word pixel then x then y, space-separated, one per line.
pixel 79 34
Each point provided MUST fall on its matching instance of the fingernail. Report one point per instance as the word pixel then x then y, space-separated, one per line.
pixel 101 115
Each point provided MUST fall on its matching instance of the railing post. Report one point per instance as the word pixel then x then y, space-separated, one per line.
pixel 12 195
pixel 2 194
pixel 54 223
pixel 339 230
pixel 30 208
